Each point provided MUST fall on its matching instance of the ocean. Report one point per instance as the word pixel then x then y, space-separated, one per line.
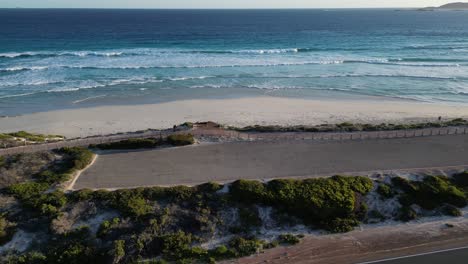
pixel 63 58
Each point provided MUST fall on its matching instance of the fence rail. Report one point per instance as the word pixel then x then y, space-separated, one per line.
pixel 229 135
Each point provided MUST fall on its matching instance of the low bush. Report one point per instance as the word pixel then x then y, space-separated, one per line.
pixel 241 247
pixel 181 139
pixel 385 191
pixel 80 157
pixel 430 193
pixel 75 158
pixel 28 190
pixel 349 127
pixel 175 246
pixel 144 143
pixel 407 214
pixel 316 201
pixel 135 143
pixel 248 191
pixel 130 203
pixel 32 257
pixel 32 195
pixel 107 226
pixel 450 210
pixel 118 251
pixel 30 136
pixel 288 239
pixel 340 225
pixel 76 246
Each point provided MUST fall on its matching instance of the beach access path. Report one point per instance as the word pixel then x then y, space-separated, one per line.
pixel 219 134
pixel 229 161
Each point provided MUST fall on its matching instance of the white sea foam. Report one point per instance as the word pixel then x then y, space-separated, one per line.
pixel 88 98
pixel 21 68
pixel 17 95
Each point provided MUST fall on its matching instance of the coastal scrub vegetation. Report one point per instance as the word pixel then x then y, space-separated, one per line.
pixel 21 138
pixel 352 127
pixel 47 171
pixel 142 143
pixel 443 194
pixel 175 224
pixel 334 204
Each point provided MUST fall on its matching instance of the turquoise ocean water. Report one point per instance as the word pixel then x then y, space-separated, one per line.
pixel 57 59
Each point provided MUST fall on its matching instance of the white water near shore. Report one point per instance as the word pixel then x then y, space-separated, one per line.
pixel 238 112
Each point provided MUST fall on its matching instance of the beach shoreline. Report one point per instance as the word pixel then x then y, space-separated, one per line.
pixel 102 120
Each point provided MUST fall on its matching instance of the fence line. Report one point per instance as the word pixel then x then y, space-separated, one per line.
pixel 244 136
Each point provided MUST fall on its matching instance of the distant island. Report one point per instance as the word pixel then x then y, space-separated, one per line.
pixel 450 6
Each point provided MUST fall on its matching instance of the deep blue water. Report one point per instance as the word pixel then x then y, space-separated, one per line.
pixel 51 59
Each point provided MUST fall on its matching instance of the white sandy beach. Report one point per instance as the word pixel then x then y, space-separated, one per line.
pixel 239 112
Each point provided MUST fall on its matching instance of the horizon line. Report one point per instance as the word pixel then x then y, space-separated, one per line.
pixel 211 8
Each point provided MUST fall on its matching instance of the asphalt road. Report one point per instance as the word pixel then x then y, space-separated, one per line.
pixel 265 160
pixel 458 256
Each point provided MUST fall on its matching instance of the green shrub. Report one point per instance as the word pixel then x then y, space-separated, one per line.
pixel 143 143
pixel 288 239
pixel 430 193
pixel 129 202
pixel 75 247
pixel 407 214
pixel 134 143
pixel 341 225
pixel 32 257
pixel 313 200
pixel 450 210
pixel 119 250
pixel 81 195
pixel 181 139
pixel 50 177
pixel 176 246
pixel 220 252
pixel 75 158
pixel 385 191
pixel 28 190
pixel 32 195
pixel 247 191
pixel 29 136
pixel 81 157
pixel 5 136
pixel 106 227
pixel 244 247
pixel 270 245
pixel 346 126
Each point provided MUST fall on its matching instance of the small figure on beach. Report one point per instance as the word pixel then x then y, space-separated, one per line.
pixel 440 118
pixel 174 128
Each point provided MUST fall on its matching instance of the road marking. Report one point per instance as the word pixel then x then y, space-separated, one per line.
pixel 414 255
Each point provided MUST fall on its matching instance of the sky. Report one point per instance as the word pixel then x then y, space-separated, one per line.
pixel 217 3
